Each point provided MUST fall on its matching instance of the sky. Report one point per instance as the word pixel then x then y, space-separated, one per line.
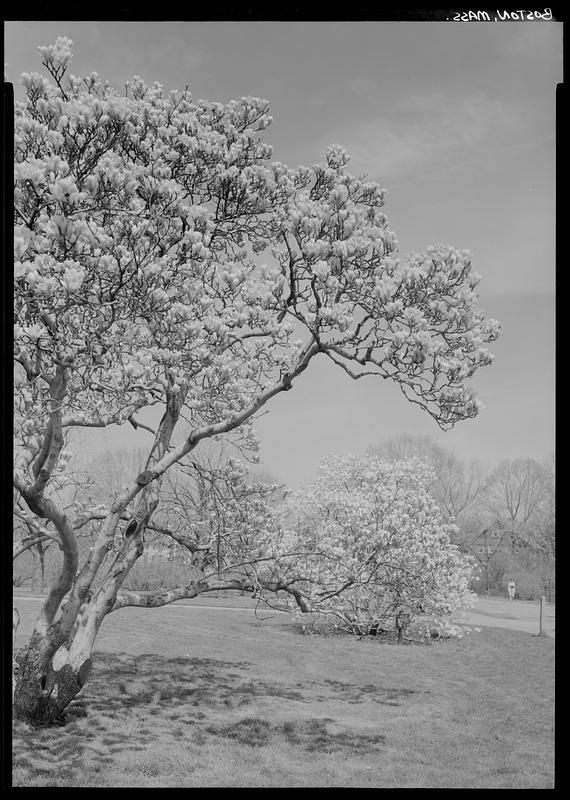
pixel 455 120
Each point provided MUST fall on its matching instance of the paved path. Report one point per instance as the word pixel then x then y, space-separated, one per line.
pixel 179 604
pixel 518 615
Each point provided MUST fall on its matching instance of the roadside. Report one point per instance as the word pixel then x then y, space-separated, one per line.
pixel 227 603
pixel 494 612
pixel 518 615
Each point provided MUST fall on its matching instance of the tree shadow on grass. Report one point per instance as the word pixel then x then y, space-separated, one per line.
pixel 312 735
pixel 131 703
pixel 383 695
pixel 121 683
pixel 121 709
pixel 42 753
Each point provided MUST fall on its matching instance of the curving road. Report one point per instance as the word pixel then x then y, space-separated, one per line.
pixel 518 615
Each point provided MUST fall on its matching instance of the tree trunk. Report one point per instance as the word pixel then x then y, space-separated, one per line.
pixel 56 662
pixel 42 553
pixel 43 691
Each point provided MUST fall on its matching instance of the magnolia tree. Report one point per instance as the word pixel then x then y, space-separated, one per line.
pixel 372 550
pixel 162 259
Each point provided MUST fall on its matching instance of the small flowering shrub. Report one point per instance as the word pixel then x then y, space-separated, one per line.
pixel 373 552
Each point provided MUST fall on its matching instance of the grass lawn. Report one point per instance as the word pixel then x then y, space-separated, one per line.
pixel 191 696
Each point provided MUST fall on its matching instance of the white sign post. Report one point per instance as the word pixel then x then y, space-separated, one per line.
pixel 542 601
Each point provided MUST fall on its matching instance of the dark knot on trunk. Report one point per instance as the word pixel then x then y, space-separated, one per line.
pixel 145 477
pixel 131 528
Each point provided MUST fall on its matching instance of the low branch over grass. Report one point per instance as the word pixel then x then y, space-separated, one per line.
pixel 163 598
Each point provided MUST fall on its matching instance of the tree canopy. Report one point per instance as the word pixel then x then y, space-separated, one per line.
pixel 160 254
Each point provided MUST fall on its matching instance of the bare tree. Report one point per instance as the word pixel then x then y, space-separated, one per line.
pixel 510 524
pixel 518 496
pixel 455 485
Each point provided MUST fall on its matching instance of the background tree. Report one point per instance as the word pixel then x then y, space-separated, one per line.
pixel 35 543
pixel 515 530
pixel 371 548
pixel 504 516
pixel 162 260
pixel 516 495
pixel 210 516
pixel 206 527
pixel 454 485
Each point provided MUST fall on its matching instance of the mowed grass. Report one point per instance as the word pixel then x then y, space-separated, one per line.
pixel 194 697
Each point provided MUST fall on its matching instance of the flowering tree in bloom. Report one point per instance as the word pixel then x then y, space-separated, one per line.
pixel 372 548
pixel 162 259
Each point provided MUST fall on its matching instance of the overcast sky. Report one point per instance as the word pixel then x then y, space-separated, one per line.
pixel 456 121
